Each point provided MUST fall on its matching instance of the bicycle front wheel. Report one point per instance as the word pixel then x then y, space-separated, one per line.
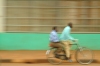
pixel 84 55
pixel 51 57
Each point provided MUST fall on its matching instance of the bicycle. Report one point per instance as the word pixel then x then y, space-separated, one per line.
pixel 83 55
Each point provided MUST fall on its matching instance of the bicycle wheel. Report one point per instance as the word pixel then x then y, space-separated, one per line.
pixel 84 55
pixel 51 56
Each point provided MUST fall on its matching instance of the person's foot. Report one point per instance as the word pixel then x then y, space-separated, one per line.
pixel 70 60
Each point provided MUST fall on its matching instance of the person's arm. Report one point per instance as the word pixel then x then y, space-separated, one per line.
pixel 54 37
pixel 69 36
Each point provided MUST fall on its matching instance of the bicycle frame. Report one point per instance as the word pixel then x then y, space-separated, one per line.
pixel 79 47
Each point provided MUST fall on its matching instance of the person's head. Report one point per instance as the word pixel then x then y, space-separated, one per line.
pixel 55 28
pixel 70 25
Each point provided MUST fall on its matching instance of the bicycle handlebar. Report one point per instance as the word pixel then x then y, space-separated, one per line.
pixel 76 40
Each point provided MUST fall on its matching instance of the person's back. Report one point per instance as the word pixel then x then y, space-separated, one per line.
pixel 54 36
pixel 66 34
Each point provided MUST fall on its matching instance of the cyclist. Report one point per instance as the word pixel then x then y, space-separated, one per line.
pixel 66 39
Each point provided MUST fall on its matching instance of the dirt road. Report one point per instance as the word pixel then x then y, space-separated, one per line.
pixel 47 64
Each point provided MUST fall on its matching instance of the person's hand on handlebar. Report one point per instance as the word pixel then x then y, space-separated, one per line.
pixel 75 40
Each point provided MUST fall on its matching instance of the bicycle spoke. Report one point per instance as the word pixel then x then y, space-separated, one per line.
pixel 85 56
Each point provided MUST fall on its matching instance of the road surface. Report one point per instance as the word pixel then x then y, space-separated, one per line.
pixel 47 64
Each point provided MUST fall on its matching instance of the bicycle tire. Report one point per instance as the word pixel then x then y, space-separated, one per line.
pixel 52 59
pixel 84 55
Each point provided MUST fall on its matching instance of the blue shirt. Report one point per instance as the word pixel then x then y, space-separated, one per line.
pixel 54 36
pixel 66 34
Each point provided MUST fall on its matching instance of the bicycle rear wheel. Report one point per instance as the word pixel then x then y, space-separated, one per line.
pixel 84 55
pixel 51 57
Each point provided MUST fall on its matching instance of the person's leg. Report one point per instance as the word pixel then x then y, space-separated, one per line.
pixel 57 45
pixel 67 48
